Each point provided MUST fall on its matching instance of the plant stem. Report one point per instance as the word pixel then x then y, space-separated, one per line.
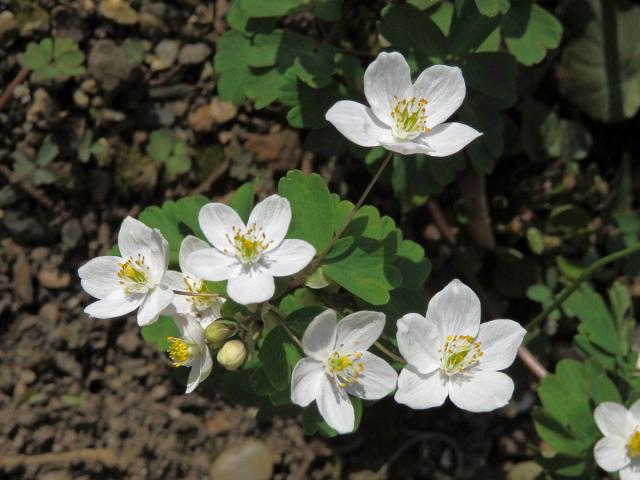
pixel 566 293
pixel 280 319
pixel 318 260
pixel 196 294
pixel 389 353
pixel 6 95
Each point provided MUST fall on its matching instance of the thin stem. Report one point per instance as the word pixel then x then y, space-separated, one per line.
pixel 196 294
pixel 566 293
pixel 6 95
pixel 347 221
pixel 280 319
pixel 389 353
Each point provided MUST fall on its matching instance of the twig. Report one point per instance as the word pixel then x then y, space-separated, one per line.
pixel 196 294
pixel 213 176
pixel 19 78
pixel 102 455
pixel 524 354
pixel 566 293
pixel 389 353
pixel 280 319
pixel 32 191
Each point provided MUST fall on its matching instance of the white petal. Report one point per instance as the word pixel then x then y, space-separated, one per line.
pixel 189 245
pixel 319 338
pixel 305 381
pixel 154 303
pixel 481 391
pixel 406 147
pixel 357 123
pixel 174 280
pixel 418 343
pixel 611 454
pixel 116 304
pixel 443 88
pixel 448 138
pixel 378 379
pixel 613 419
pixel 335 406
pixel 210 315
pixel 386 80
pixel 289 257
pixel 251 287
pixel 133 237
pixel 631 472
pixel 194 332
pixel 158 256
pixel 217 222
pixel 273 215
pixel 99 276
pixel 211 264
pixel 499 342
pixel 455 310
pixel 420 391
pixel 357 331
pixel 200 370
pixel 634 410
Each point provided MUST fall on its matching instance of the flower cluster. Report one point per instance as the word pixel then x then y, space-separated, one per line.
pixel 619 449
pixel 247 256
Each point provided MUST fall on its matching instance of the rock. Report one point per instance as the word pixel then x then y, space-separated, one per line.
pixel 282 148
pixel 201 120
pixel 150 24
pixel 164 55
pixel 89 86
pixel 41 109
pixel 524 471
pixel 119 11
pixel 32 19
pixel 108 64
pixel 194 53
pixel 81 99
pixel 7 23
pixel 53 279
pixel 26 229
pixel 180 90
pixel 22 286
pixel 222 111
pixel 250 459
pixel 129 341
pixel 68 364
pixel 71 233
pixel 50 312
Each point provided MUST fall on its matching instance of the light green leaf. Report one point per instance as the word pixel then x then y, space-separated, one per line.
pixel 156 333
pixel 231 64
pixel 491 8
pixel 278 355
pixel 271 8
pixel 242 200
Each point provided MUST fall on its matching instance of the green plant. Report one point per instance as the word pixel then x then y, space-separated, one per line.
pixel 173 153
pixel 54 58
pixel 37 170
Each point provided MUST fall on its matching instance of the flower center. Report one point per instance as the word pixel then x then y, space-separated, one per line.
pixel 179 351
pixel 346 368
pixel 199 302
pixel 134 275
pixel 459 352
pixel 634 444
pixel 248 245
pixel 409 118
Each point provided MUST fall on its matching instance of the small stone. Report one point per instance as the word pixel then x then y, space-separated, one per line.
pixel 221 111
pixel 201 120
pixel 250 459
pixel 108 64
pixel 194 53
pixel 71 233
pixel 150 24
pixel 7 23
pixel 89 86
pixel 68 364
pixel 53 279
pixel 205 117
pixel 81 99
pixel 119 11
pixel 22 285
pixel 41 108
pixel 164 55
pixel 35 18
pixel 50 312
pixel 129 341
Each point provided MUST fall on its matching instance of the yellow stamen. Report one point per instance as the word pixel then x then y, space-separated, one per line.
pixel 346 368
pixel 410 118
pixel 249 245
pixel 199 302
pixel 458 353
pixel 134 275
pixel 179 351
pixel 634 444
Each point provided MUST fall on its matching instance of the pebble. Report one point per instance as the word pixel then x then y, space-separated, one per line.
pixel 7 23
pixel 22 285
pixel 71 233
pixel 81 99
pixel 119 11
pixel 250 459
pixel 108 64
pixel 50 312
pixel 194 53
pixel 51 278
pixel 164 55
pixel 129 341
pixel 68 364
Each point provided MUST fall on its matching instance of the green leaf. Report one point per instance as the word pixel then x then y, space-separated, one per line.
pixel 242 200
pixel 271 8
pixel 308 105
pixel 470 29
pixel 312 208
pixel 160 145
pixel 278 356
pixel 231 64
pixel 535 239
pixel 494 75
pixel 156 333
pixel 54 58
pixel 47 153
pixel 491 8
pixel 555 434
pixel 358 265
pixel 299 320
pixel 327 10
pixel 601 67
pixel 530 31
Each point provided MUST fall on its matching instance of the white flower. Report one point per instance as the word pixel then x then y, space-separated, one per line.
pixel 338 365
pixel 406 118
pixel 137 279
pixel 206 309
pixel 190 350
pixel 249 256
pixel 619 450
pixel 449 353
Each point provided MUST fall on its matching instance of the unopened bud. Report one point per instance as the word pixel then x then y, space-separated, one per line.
pixel 218 332
pixel 232 354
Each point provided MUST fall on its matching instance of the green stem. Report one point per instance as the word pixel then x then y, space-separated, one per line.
pixel 389 353
pixel 280 318
pixel 566 293
pixel 318 260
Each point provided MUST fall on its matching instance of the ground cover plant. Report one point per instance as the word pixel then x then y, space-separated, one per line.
pixel 391 239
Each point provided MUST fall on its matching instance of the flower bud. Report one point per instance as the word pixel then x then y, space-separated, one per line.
pixel 218 332
pixel 232 354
